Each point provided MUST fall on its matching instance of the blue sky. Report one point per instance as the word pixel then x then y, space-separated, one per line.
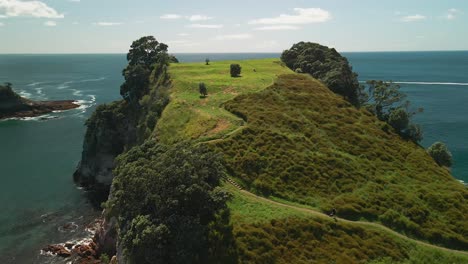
pixel 109 26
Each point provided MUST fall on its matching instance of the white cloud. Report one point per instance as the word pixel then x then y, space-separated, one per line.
pixel 15 8
pixel 170 16
pixel 175 42
pixel 279 27
pixel 76 1
pixel 413 18
pixel 198 18
pixel 210 26
pixel 1 24
pixel 452 14
pixel 233 37
pixel 267 45
pixel 183 34
pixel 302 16
pixel 75 23
pixel 108 24
pixel 3 16
pixel 50 23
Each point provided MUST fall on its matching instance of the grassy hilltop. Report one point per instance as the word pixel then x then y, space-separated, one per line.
pixel 287 137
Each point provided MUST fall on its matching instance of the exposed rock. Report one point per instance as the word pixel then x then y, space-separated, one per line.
pixel 111 129
pixel 58 250
pixel 106 237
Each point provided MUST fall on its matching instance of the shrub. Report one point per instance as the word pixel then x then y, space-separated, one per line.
pixel 414 133
pixel 202 89
pixel 440 153
pixel 235 70
pixel 207 61
pixel 398 119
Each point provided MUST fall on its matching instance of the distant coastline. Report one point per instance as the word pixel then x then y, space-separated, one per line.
pixel 14 106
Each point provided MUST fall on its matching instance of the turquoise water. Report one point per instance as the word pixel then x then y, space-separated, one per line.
pixel 38 156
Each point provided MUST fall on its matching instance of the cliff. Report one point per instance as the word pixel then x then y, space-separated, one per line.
pixel 113 129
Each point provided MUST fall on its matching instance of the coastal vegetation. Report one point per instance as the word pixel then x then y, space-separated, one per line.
pixel 302 147
pixel 169 206
pixel 440 153
pixel 326 65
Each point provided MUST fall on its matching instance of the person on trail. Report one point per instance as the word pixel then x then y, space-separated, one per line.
pixel 333 214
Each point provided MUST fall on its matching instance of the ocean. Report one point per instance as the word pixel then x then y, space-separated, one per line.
pixel 38 155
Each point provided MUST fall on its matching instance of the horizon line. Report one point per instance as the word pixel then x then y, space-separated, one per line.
pixel 240 52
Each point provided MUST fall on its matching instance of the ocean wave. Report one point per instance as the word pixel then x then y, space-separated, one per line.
pixel 35 84
pixel 77 92
pixel 428 83
pixel 39 91
pixel 85 104
pixel 63 86
pixel 35 118
pixel 25 94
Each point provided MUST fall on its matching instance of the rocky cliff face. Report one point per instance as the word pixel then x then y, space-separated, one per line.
pixel 114 128
pixel 111 129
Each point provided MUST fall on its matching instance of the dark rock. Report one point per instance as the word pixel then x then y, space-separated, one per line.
pixel 58 250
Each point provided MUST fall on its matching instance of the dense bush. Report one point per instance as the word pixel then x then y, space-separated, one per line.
pixel 169 206
pixel 324 64
pixel 440 153
pixel 235 70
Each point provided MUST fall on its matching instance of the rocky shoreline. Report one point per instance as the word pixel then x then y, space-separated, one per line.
pixel 38 108
pixel 88 250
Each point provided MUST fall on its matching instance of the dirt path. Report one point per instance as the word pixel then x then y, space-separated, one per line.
pixel 369 224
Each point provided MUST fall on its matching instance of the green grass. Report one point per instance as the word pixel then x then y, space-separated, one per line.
pixel 189 117
pixel 304 144
pixel 269 233
pixel 288 137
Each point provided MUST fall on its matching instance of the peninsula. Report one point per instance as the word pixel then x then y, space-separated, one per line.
pixel 14 106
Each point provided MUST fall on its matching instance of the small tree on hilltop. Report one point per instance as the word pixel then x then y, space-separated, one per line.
pixel 235 70
pixel 202 89
pixel 440 153
pixel 207 61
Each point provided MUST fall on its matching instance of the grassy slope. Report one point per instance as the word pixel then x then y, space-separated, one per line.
pixel 312 148
pixel 267 233
pixel 304 144
pixel 190 117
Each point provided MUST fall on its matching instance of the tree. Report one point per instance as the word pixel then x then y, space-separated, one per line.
pixel 382 97
pixel 144 55
pixel 169 206
pixel 440 153
pixel 235 70
pixel 326 65
pixel 207 61
pixel 147 51
pixel 202 89
pixel 399 119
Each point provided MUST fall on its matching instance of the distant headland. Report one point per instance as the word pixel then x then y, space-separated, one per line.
pixel 14 106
